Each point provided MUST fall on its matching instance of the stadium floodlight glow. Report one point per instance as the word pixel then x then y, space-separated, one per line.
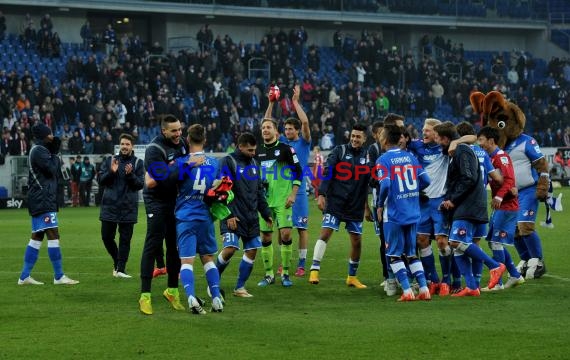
pixel 126 20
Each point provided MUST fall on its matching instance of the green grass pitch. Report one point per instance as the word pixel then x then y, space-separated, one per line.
pixel 99 318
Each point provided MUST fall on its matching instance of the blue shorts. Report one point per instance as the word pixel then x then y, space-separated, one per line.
pixel 232 240
pixel 462 231
pixel 44 221
pixel 480 231
pixel 503 227
pixel 332 222
pixel 432 220
pixel 400 239
pixel 375 221
pixel 301 211
pixel 528 205
pixel 195 237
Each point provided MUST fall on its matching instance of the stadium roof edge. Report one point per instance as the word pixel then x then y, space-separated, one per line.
pixel 290 14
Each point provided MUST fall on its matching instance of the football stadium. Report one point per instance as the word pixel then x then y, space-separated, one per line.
pixel 395 172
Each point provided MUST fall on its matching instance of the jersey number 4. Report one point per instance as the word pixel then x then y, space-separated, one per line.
pixel 199 183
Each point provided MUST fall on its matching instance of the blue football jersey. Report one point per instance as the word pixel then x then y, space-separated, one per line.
pixel 401 178
pixel 484 162
pixel 193 184
pixel 302 150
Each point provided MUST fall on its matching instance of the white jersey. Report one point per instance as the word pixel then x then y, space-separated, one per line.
pixel 435 163
pixel 523 151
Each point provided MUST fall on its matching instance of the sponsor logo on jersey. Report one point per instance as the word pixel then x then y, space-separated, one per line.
pixel 431 158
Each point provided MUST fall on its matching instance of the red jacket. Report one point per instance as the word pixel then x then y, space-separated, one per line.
pixel 503 163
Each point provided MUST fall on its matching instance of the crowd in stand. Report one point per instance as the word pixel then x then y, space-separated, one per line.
pixel 128 90
pixel 44 40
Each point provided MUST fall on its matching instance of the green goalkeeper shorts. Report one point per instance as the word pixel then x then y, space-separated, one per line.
pixel 282 217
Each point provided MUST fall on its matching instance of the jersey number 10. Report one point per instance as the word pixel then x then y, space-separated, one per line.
pixel 407 177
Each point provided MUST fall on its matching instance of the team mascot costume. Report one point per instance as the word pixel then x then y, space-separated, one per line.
pixel 531 174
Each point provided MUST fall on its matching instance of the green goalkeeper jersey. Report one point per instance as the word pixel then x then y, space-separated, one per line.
pixel 279 170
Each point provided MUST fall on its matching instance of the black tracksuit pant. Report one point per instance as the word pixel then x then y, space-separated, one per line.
pixel 119 254
pixel 161 225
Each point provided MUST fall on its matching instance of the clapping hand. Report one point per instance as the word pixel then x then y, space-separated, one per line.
pixel 128 168
pixel 115 165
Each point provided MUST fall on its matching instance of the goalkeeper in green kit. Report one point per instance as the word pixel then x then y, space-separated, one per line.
pixel 281 172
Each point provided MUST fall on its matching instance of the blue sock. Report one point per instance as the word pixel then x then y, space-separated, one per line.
pixel 353 267
pixel 401 273
pixel 301 263
pixel 30 257
pixel 511 268
pixel 428 262
pixel 187 279
pixel 418 271
pixel 221 264
pixel 455 274
pixel 54 253
pixel 445 262
pixel 475 252
pixel 245 268
pixel 477 269
pixel 213 278
pixel 533 245
pixel 464 264
pixel 522 250
pixel 499 255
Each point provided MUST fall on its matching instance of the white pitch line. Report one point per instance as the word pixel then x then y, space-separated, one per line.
pixel 556 277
